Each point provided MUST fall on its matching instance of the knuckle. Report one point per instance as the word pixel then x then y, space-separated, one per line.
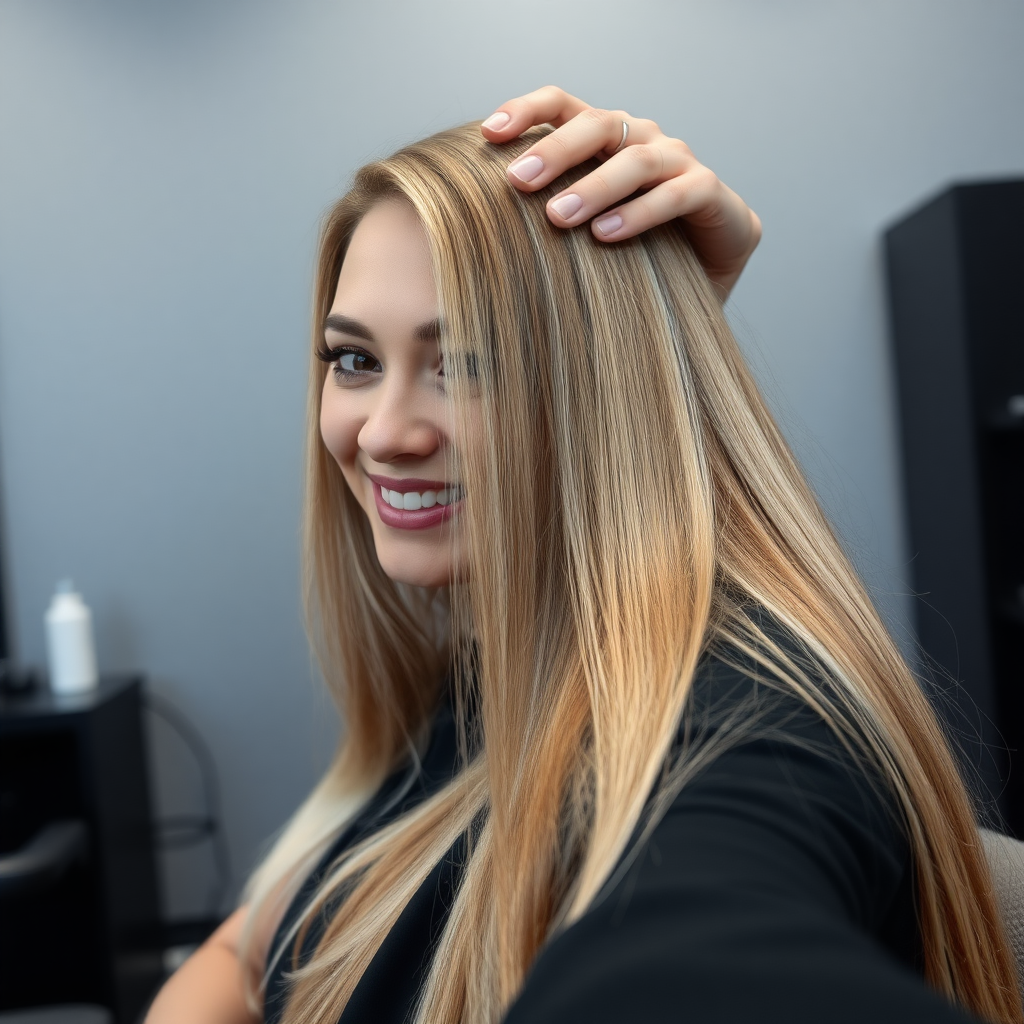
pixel 705 179
pixel 555 142
pixel 677 160
pixel 676 190
pixel 641 213
pixel 645 155
pixel 681 149
pixel 596 116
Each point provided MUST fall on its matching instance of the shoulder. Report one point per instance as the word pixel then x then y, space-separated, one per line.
pixel 778 791
pixel 775 881
pixel 779 714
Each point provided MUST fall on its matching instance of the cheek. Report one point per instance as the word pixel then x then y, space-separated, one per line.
pixel 470 432
pixel 339 426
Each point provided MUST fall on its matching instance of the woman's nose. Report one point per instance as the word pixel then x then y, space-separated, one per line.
pixel 402 423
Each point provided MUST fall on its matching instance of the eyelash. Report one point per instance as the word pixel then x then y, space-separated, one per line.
pixel 335 355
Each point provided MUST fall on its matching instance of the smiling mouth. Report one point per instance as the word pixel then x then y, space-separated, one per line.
pixel 412 501
pixel 416 503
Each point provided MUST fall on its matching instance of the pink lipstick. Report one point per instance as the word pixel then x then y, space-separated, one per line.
pixel 412 519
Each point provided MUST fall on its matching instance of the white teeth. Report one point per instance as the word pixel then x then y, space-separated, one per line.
pixel 411 501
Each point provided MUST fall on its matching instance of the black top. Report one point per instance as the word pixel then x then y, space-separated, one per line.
pixel 778 886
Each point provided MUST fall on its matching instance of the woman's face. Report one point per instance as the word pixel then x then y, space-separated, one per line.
pixel 385 416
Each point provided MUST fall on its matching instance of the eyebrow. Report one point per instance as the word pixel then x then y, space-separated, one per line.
pixel 429 331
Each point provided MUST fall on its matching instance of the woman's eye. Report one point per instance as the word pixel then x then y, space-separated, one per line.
pixel 347 363
pixel 356 361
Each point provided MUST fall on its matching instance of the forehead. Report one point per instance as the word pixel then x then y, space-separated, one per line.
pixel 387 262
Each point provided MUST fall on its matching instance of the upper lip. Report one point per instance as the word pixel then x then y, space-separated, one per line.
pixel 409 483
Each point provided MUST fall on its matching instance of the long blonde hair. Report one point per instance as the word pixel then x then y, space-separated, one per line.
pixel 629 497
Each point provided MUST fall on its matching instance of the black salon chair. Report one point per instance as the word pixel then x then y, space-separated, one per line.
pixel 35 867
pixel 42 861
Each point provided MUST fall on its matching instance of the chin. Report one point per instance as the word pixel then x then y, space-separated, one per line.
pixel 426 573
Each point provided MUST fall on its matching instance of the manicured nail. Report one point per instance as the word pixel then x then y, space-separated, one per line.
pixel 566 206
pixel 609 225
pixel 497 121
pixel 526 168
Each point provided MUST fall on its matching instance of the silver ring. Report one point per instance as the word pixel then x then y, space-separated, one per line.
pixel 625 135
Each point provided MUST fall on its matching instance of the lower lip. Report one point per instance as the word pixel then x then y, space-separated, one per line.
pixel 406 519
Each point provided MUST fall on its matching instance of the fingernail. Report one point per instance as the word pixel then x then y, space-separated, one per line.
pixel 609 225
pixel 566 206
pixel 526 168
pixel 497 121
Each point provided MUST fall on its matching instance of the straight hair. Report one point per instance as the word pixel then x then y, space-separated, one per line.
pixel 629 500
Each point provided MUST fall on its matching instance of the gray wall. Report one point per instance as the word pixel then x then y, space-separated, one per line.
pixel 162 169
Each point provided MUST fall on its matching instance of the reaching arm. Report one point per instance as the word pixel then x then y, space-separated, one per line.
pixel 775 888
pixel 207 988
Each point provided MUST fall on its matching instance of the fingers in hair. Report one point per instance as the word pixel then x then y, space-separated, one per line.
pixel 547 105
pixel 592 132
pixel 637 167
pixel 676 197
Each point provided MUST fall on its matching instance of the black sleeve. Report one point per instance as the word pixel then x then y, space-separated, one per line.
pixel 771 890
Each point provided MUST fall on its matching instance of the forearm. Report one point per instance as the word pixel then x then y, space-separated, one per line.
pixel 207 988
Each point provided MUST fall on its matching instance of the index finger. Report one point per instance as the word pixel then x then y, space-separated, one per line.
pixel 547 105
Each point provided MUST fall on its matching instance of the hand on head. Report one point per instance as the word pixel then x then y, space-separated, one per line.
pixel 723 230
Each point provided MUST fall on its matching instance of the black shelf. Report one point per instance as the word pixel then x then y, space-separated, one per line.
pixel 955 269
pixel 1013 612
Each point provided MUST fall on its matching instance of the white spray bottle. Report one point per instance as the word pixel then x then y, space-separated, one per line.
pixel 69 641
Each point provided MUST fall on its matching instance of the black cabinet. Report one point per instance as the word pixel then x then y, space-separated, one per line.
pixel 88 933
pixel 956 282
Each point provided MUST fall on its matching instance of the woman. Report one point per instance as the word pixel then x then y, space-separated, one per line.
pixel 625 737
